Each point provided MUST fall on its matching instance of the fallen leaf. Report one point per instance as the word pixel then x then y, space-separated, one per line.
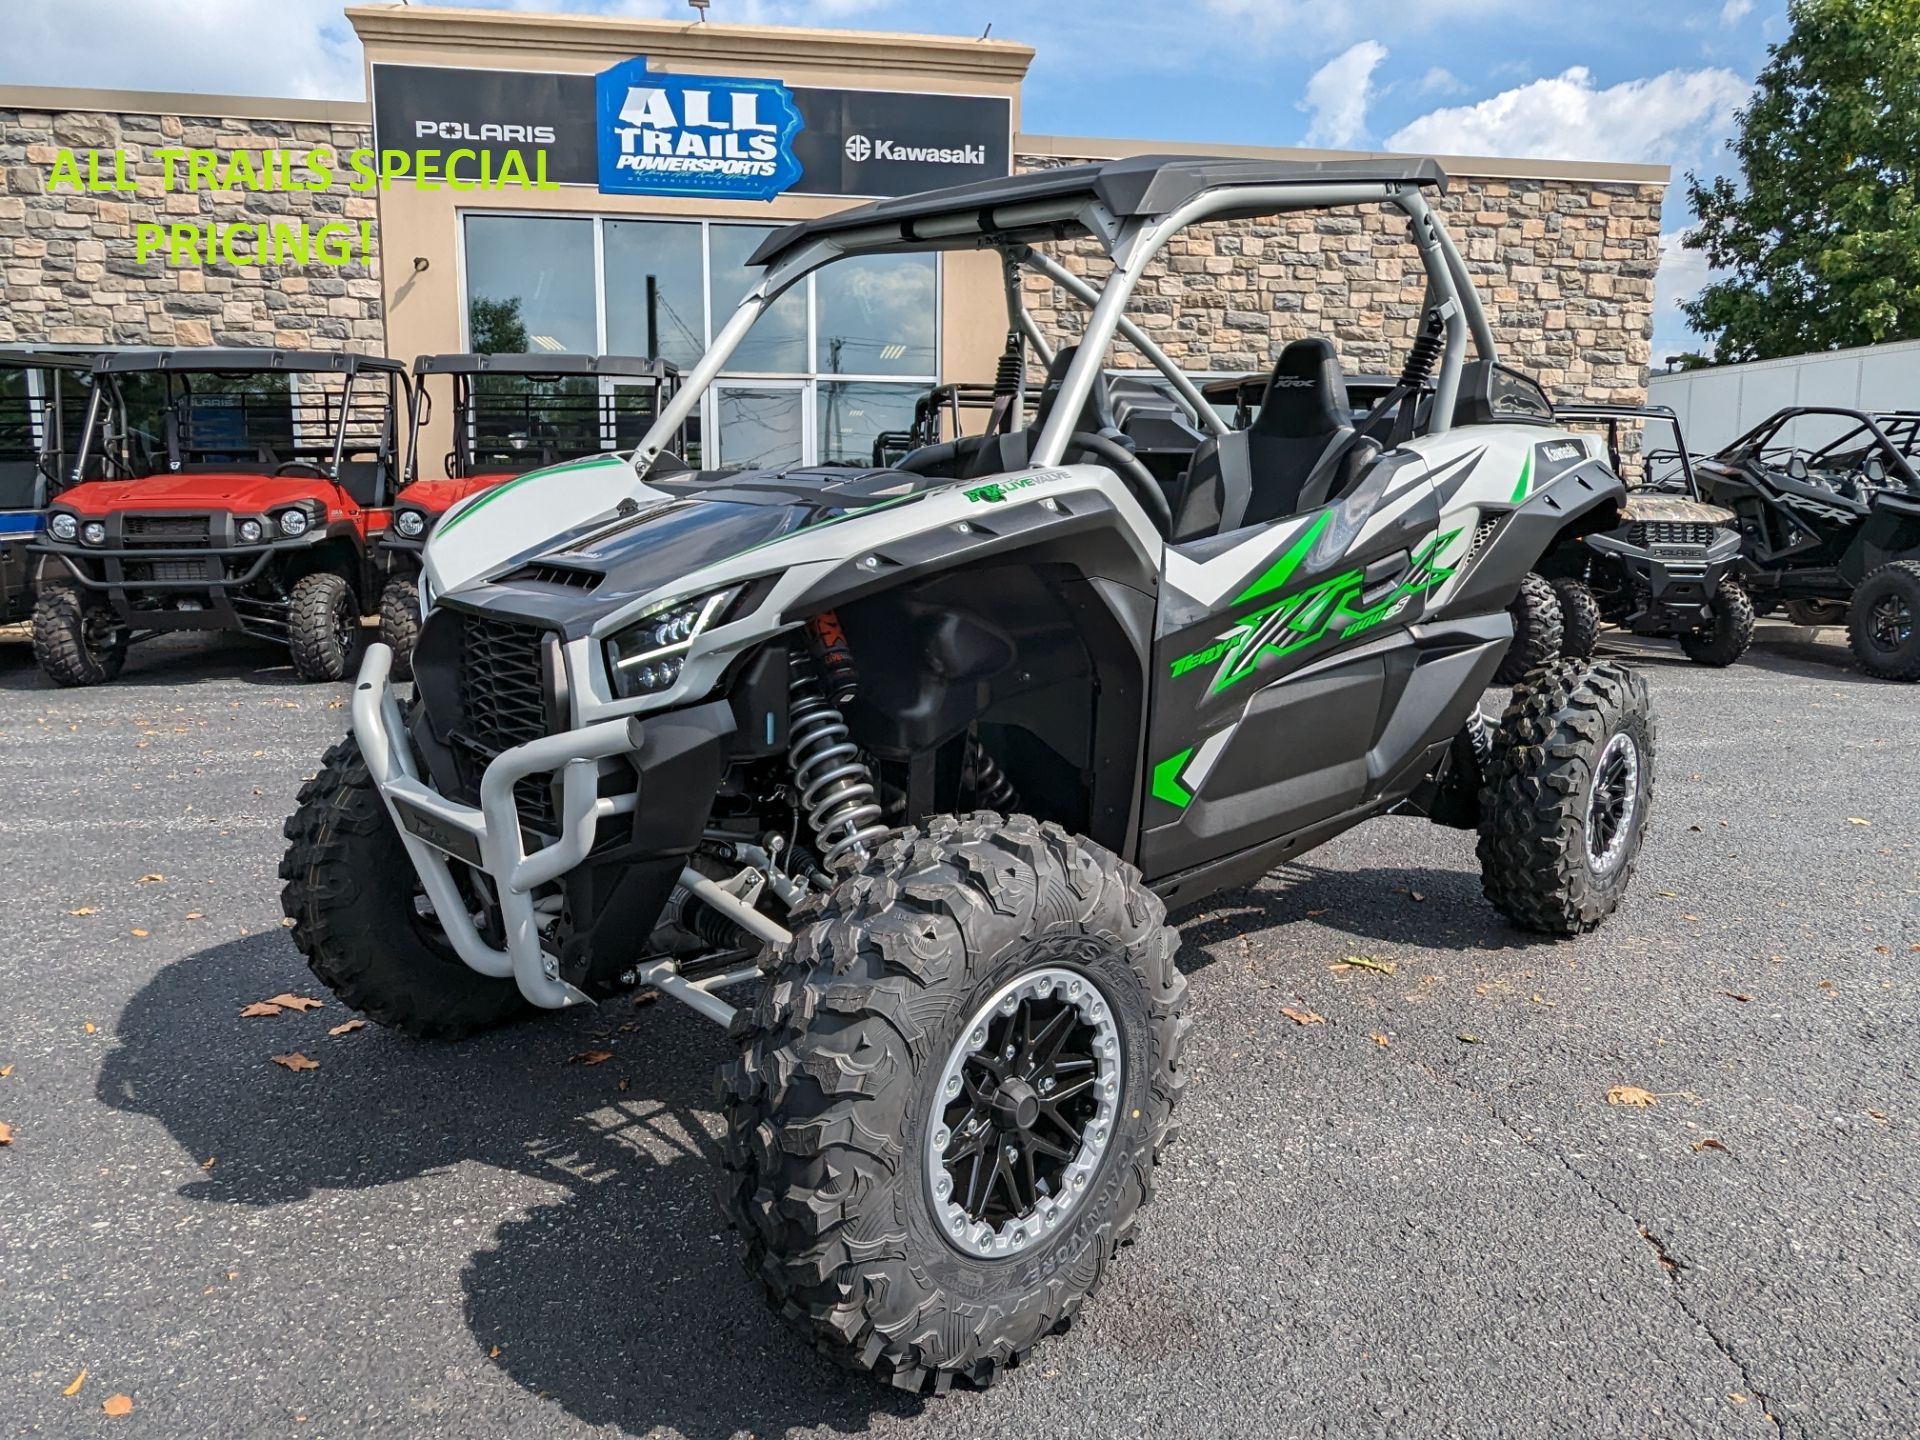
pixel 348 1027
pixel 5 1071
pixel 195 915
pixel 78 1381
pixel 117 1405
pixel 494 1353
pixel 83 910
pixel 1367 962
pixel 1825 985
pixel 1856 820
pixel 258 1008
pixel 590 1057
pixel 152 879
pixel 1666 894
pixel 1466 1039
pixel 1313 913
pixel 623 1086
pixel 1736 995
pixel 1632 1095
pixel 139 933
pixel 1541 1000
pixel 207 1164
pixel 6 1133
pixel 89 1027
pixel 1736 1397
pixel 1883 950
pixel 295 1002
pixel 296 1061
pixel 1381 1040
pixel 1302 1017
pixel 1416 897
pixel 1879 1115
pixel 1710 1144
pixel 286 922
pixel 1689 917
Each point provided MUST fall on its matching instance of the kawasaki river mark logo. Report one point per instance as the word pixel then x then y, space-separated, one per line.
pixel 1327 609
pixel 995 491
pixel 694 134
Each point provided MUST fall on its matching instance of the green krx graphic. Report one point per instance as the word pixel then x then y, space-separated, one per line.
pixel 997 490
pixel 1326 610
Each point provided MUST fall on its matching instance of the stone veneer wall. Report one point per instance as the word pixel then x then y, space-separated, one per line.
pixel 68 275
pixel 1565 270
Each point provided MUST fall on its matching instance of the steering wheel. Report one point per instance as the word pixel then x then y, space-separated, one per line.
pixel 1139 480
pixel 314 465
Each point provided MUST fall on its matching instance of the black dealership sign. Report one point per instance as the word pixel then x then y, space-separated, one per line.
pixel 851 142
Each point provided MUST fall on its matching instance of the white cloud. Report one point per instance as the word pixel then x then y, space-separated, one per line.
pixel 1566 117
pixel 1439 81
pixel 1734 11
pixel 1338 95
pixel 1683 274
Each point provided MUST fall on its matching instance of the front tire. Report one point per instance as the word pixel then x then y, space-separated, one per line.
pixel 1537 629
pixel 1881 626
pixel 400 623
pixel 1726 639
pixel 1579 619
pixel 854 1096
pixel 351 893
pixel 77 641
pixel 1569 787
pixel 323 626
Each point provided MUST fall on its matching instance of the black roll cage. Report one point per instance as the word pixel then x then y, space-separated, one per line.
pixel 1866 428
pixel 1613 417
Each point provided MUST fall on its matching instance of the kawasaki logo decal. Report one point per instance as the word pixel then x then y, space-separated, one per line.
pixel 1327 609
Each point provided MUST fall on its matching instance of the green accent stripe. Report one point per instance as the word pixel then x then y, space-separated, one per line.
pixel 1282 569
pixel 487 497
pixel 1526 479
pixel 1166 780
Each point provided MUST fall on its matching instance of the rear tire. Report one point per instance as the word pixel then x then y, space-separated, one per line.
pixel 351 894
pixel 1816 613
pixel 323 627
pixel 836 1103
pixel 77 640
pixel 1536 630
pixel 1882 628
pixel 1569 787
pixel 1727 638
pixel 1579 619
pixel 400 623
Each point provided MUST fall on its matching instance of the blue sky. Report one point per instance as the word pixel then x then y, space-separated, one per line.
pixel 1631 80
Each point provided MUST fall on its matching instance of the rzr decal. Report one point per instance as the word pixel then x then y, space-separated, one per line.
pixel 1328 609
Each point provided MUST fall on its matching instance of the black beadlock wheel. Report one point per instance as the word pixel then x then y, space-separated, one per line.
pixel 1727 637
pixel 400 623
pixel 1569 787
pixel 1536 630
pixel 77 641
pixel 950 1096
pixel 361 920
pixel 1579 618
pixel 1881 627
pixel 323 626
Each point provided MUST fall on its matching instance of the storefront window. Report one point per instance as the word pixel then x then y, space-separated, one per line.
pixel 853 414
pixel 530 285
pixel 875 316
pixel 777 344
pixel 760 425
pixel 656 291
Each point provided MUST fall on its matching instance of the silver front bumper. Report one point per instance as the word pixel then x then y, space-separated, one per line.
pixel 439 832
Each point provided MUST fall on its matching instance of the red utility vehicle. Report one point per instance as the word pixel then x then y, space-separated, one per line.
pixel 512 413
pixel 237 489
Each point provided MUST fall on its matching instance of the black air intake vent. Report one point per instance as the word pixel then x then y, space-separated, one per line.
pixel 503 695
pixel 541 573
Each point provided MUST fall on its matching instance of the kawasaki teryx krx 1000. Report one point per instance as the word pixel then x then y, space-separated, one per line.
pixel 922 753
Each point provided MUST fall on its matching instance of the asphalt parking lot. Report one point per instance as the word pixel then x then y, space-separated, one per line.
pixel 1418 1217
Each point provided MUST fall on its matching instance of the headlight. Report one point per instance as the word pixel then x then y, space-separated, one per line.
pixel 63 526
pixel 645 657
pixel 411 523
pixel 251 531
pixel 293 523
pixel 94 532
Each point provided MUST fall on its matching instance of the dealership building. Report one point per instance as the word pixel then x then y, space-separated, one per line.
pixel 672 148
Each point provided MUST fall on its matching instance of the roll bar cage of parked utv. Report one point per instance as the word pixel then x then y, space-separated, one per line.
pixel 483 437
pixel 1614 416
pixel 38 428
pixel 1131 209
pixel 1848 450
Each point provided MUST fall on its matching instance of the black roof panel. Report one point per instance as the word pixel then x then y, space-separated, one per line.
pixel 207 358
pixel 1137 185
pixel 535 363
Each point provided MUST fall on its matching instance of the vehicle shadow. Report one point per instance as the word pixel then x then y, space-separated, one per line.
pixel 170 661
pixel 624 1301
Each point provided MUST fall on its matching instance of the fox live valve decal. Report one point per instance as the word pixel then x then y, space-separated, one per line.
pixel 694 134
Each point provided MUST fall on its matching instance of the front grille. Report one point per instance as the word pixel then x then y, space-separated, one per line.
pixel 171 570
pixel 1669 532
pixel 503 700
pixel 175 530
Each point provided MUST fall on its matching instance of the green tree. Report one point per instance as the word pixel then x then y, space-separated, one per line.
pixel 1819 245
pixel 495 327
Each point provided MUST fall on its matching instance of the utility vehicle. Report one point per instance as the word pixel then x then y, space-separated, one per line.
pixel 512 413
pixel 238 489
pixel 42 398
pixel 1671 568
pixel 924 753
pixel 1828 507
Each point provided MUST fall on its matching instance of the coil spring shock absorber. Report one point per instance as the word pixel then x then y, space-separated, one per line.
pixel 1427 346
pixel 836 658
pixel 836 788
pixel 992 790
